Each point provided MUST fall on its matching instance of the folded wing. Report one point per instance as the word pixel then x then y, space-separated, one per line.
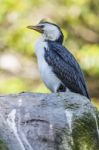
pixel 66 68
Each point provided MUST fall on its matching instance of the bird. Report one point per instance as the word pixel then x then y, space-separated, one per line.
pixel 58 68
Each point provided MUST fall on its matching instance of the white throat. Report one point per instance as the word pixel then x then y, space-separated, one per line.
pixel 40 45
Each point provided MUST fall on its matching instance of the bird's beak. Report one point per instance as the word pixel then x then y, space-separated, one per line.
pixel 37 28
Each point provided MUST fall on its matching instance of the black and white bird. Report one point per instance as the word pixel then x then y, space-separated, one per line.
pixel 58 68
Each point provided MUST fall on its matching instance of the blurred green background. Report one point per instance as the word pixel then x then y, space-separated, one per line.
pixel 79 20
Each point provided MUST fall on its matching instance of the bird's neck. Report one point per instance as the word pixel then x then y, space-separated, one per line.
pixel 59 39
pixel 40 45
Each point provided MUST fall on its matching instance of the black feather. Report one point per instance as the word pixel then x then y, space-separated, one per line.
pixel 66 68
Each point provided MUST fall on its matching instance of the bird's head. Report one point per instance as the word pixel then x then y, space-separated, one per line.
pixel 49 30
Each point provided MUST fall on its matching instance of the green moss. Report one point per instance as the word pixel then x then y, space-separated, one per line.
pixel 3 146
pixel 84 133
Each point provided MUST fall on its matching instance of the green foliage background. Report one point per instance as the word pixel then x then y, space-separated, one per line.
pixel 79 20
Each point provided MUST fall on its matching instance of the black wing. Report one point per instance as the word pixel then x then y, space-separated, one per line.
pixel 66 68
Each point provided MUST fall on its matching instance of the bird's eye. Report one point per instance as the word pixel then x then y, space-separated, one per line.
pixel 42 26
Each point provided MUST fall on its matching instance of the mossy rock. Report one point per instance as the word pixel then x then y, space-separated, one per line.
pixel 3 146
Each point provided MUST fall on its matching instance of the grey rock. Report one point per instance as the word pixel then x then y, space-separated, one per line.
pixel 61 121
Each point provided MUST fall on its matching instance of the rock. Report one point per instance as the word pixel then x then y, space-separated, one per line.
pixel 61 121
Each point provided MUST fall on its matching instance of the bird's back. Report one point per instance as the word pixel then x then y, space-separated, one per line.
pixel 66 68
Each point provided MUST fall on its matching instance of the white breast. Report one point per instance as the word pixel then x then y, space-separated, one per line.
pixel 49 78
